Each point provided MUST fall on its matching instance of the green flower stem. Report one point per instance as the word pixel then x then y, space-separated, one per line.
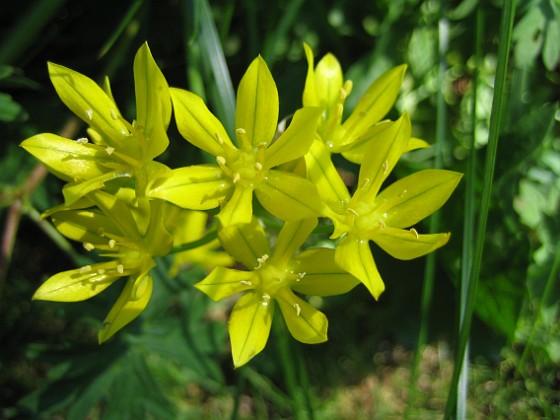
pixel 209 237
pixel 300 401
pixel 126 22
pixel 434 223
pixel 288 19
pixel 504 42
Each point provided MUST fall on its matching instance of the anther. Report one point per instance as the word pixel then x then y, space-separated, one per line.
pixel 301 275
pixel 236 177
pixel 85 269
pixel 101 271
pixel 246 282
pixel 109 150
pixel 258 166
pixel 415 232
pixel 88 246
pixel 219 138
pixel 354 212
pixel 112 243
pixel 221 160
pixel 114 114
pixel 265 299
pixel 261 261
pixel 298 308
pixel 82 140
pixel 382 224
pixel 339 110
pixel 385 167
pixel 120 269
pixel 89 114
pixel 348 87
pixel 366 181
pixel 240 131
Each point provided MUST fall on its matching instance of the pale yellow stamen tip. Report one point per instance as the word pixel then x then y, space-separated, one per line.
pixel 89 114
pixel 366 181
pixel 265 299
pixel 221 160
pixel 88 246
pixel 348 87
pixel 258 166
pixel 354 212
pixel 261 261
pixel 339 110
pixel 120 269
pixel 85 269
pixel 112 243
pixel 298 309
pixel 101 271
pixel 240 132
pixel 109 150
pixel 219 138
pixel 246 282
pixel 82 140
pixel 114 114
pixel 385 167
pixel 301 275
pixel 236 177
pixel 382 224
pixel 415 232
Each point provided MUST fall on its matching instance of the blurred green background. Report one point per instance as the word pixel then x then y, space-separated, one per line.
pixel 173 362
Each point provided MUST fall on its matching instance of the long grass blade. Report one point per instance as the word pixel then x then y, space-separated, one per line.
pixel 504 42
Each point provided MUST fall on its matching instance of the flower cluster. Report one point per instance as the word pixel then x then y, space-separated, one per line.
pixel 132 209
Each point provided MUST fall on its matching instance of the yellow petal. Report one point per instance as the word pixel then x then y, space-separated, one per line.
pixel 196 123
pixel 408 244
pixel 306 323
pixel 198 187
pixel 238 208
pixel 257 104
pixel 321 276
pixel 78 284
pixel 224 282
pixel 249 326
pixel 132 301
pixel 354 255
pixel 310 90
pixel 291 238
pixel 411 199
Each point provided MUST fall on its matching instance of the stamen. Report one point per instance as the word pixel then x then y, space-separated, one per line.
pixel 221 160
pixel 88 246
pixel 236 177
pixel 246 282
pixel 382 224
pixel 265 299
pixel 258 166
pixel 112 243
pixel 219 138
pixel 261 261
pixel 240 132
pixel 415 232
pixel 85 269
pixel 385 167
pixel 82 140
pixel 101 271
pixel 366 181
pixel 298 309
pixel 339 110
pixel 109 150
pixel 113 114
pixel 354 212
pixel 120 269
pixel 301 275
pixel 348 87
pixel 89 114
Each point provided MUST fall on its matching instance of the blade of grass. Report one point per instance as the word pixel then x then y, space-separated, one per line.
pixel 504 42
pixel 434 223
pixel 289 17
pixel 121 27
pixel 213 57
pixel 28 28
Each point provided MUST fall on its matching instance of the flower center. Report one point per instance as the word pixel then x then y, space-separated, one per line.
pixel 273 277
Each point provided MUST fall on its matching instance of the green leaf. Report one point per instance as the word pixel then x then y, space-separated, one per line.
pixel 288 196
pixel 197 124
pixel 306 324
pixel 257 105
pixel 323 277
pixel 198 187
pixel 10 110
pixel 249 327
pixel 224 282
pixel 551 49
